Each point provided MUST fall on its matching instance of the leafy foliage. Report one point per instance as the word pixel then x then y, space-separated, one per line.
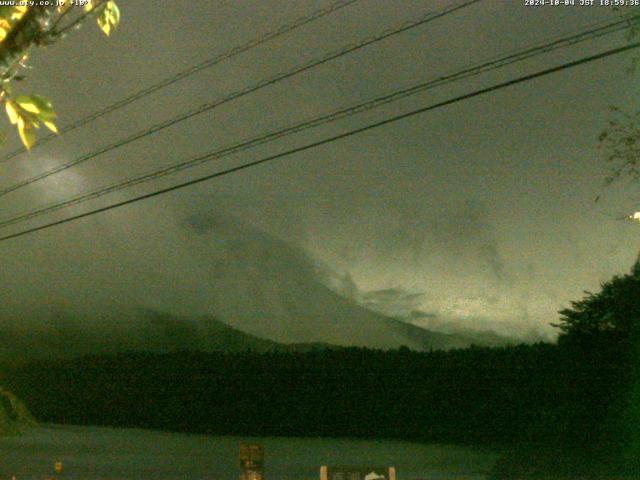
pixel 612 315
pixel 620 139
pixel 109 17
pixel 621 143
pixel 9 16
pixel 27 112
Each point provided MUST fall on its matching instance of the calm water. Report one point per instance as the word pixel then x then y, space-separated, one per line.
pixel 105 453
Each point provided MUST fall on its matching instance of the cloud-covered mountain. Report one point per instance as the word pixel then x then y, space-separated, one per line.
pixel 68 335
pixel 252 291
pixel 271 289
pixel 406 307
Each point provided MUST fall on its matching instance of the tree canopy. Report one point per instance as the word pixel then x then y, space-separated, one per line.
pixel 21 28
pixel 620 139
pixel 611 315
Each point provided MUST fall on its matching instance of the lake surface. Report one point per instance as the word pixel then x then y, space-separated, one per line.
pixel 106 453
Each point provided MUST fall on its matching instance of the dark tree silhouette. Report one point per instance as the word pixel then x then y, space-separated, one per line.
pixel 610 317
pixel 603 329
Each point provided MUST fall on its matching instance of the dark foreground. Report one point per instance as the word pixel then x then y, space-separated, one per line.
pixel 554 411
pixel 105 453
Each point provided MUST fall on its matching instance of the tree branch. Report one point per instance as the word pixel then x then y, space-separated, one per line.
pixel 78 20
pixel 27 32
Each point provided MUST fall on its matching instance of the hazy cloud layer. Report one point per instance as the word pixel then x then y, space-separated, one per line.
pixel 479 212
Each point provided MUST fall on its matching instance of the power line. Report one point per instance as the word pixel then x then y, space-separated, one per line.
pixel 477 69
pixel 423 19
pixel 328 140
pixel 208 63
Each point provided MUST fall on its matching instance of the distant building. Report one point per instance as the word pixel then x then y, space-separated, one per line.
pixel 251 461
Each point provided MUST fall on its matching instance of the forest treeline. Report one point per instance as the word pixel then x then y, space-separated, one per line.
pixel 476 395
pixel 525 395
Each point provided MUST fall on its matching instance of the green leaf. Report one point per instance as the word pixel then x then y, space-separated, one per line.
pixel 115 13
pixel 109 17
pixel 38 105
pixel 27 135
pixel 27 103
pixel 44 106
pixel 42 103
pixel 12 112
pixel 51 126
pixel 104 25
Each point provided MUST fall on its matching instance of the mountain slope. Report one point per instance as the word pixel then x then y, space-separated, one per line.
pixel 269 288
pixel 66 335
pixel 249 290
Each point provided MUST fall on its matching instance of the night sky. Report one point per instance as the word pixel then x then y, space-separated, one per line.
pixel 481 212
